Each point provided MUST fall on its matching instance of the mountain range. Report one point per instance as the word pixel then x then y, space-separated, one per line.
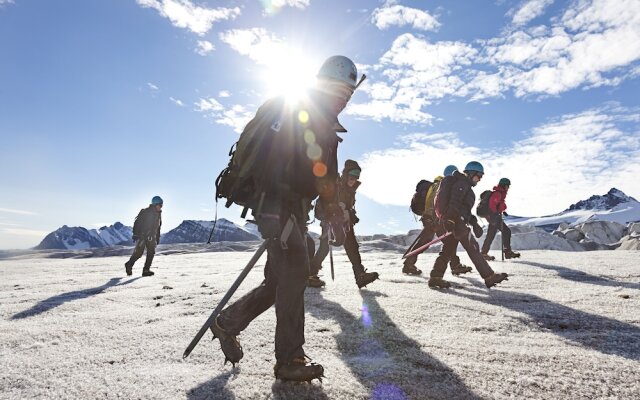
pixel 613 206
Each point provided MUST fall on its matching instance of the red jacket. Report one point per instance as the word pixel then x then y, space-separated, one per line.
pixel 496 201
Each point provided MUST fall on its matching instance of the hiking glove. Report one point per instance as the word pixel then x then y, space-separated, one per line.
pixel 505 214
pixel 477 230
pixel 353 217
pixel 269 226
pixel 134 238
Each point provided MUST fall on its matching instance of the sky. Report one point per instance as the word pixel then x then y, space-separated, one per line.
pixel 104 104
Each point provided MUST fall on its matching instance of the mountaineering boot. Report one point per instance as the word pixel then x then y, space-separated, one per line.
pixel 511 254
pixel 460 269
pixel 127 268
pixel 438 283
pixel 495 279
pixel 411 270
pixel 487 257
pixel 147 272
pixel 228 343
pixel 315 281
pixel 366 278
pixel 298 370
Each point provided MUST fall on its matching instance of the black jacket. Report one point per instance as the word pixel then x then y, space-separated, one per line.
pixel 148 223
pixel 304 155
pixel 461 196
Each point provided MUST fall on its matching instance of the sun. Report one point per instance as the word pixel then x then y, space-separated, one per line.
pixel 290 74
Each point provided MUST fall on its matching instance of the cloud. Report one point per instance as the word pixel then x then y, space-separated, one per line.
pixel 411 74
pixel 152 86
pixel 591 43
pixel 5 2
pixel 564 160
pixel 25 232
pixel 20 212
pixel 236 116
pixel 224 93
pixel 398 15
pixel 256 43
pixel 184 14
pixel 207 105
pixel 177 102
pixel 529 10
pixel 204 47
pixel 290 3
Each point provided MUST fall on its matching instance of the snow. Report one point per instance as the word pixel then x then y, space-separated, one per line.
pixel 565 325
pixel 621 213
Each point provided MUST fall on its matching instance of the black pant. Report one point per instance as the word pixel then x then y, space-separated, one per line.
pixel 497 224
pixel 428 232
pixel 469 243
pixel 286 273
pixel 141 244
pixel 351 247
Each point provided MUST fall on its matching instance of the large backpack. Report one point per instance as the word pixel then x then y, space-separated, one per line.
pixel 482 210
pixel 420 196
pixel 241 182
pixel 441 202
pixel 137 223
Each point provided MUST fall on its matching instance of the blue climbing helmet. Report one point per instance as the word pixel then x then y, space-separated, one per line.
pixel 449 170
pixel 474 166
pixel 156 200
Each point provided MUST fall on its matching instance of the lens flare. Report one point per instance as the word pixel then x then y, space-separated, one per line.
pixel 388 391
pixel 303 117
pixel 366 318
pixel 319 169
pixel 314 152
pixel 309 136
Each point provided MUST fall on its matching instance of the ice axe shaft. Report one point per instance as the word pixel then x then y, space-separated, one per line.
pixel 413 244
pixel 226 298
pixel 426 246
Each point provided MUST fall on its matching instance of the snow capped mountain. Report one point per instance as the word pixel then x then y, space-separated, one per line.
pixel 77 237
pixel 605 202
pixel 190 231
pixel 615 206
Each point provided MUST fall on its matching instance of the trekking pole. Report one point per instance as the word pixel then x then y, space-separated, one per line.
pixel 215 221
pixel 226 298
pixel 413 244
pixel 501 239
pixel 426 246
pixel 333 276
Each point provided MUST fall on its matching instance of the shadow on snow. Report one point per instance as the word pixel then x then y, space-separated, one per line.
pixel 57 300
pixel 605 335
pixel 579 276
pixel 385 360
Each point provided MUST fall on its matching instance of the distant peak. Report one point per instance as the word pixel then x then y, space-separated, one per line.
pixel 602 202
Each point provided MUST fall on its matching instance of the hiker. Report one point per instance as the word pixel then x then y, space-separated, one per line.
pixel 452 205
pixel 496 208
pixel 146 234
pixel 430 226
pixel 301 165
pixel 340 229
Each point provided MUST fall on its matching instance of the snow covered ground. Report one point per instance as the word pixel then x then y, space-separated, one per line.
pixel 565 325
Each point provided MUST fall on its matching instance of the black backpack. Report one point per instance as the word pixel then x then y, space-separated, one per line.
pixel 420 196
pixel 483 207
pixel 241 182
pixel 137 223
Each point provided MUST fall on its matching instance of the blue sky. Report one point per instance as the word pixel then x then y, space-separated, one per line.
pixel 104 104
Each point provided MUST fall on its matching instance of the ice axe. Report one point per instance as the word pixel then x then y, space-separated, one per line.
pixel 413 244
pixel 226 298
pixel 425 246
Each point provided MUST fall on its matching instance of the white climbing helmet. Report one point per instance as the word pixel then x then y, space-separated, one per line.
pixel 339 68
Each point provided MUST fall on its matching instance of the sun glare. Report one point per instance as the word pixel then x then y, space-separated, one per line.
pixel 290 75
